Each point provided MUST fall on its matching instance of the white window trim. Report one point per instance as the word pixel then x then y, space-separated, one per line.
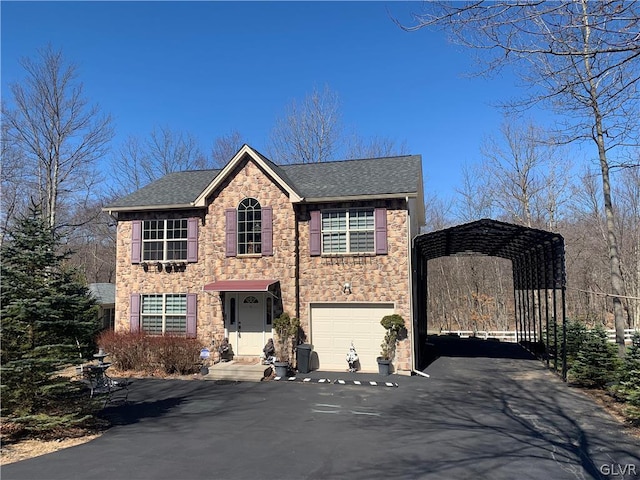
pixel 256 206
pixel 347 231
pixel 165 240
pixel 164 313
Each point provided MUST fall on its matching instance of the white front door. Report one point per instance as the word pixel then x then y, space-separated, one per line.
pixel 246 333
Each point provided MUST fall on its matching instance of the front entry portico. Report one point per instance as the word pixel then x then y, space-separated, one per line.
pixel 247 327
pixel 249 309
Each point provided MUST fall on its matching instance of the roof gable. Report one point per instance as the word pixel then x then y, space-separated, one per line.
pixel 272 170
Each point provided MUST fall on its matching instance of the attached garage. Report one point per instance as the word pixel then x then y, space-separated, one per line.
pixel 335 325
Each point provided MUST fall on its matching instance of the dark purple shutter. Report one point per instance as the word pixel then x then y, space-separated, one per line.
pixel 134 315
pixel 315 246
pixel 231 248
pixel 381 231
pixel 136 241
pixel 267 231
pixel 192 307
pixel 192 240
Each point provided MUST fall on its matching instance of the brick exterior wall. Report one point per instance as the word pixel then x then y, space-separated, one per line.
pixel 382 278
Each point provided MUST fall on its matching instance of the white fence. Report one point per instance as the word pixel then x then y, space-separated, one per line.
pixel 510 335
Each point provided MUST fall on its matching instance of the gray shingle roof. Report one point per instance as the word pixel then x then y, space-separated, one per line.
pixel 347 178
pixel 377 176
pixel 177 188
pixel 104 293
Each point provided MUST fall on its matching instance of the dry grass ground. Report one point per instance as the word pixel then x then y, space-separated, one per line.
pixel 25 449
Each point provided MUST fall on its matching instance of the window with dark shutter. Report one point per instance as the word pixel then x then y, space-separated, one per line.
pixel 192 318
pixel 192 240
pixel 231 216
pixel 315 245
pixel 134 314
pixel 381 231
pixel 136 241
pixel 267 231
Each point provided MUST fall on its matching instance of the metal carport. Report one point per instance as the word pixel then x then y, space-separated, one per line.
pixel 538 269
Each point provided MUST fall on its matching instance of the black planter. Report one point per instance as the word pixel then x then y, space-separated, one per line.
pixel 384 366
pixel 282 369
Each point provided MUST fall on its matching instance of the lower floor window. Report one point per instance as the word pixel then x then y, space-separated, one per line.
pixel 163 313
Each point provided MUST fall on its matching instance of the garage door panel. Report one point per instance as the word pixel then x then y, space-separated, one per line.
pixel 335 326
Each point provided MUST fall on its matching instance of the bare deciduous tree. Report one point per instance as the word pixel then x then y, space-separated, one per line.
pixel 628 195
pixel 437 213
pixel 374 147
pixel 582 59
pixel 475 194
pixel 139 162
pixel 310 131
pixel 521 170
pixel 12 181
pixel 225 147
pixel 57 133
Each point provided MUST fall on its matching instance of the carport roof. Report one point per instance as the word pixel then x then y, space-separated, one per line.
pixel 537 255
pixel 484 237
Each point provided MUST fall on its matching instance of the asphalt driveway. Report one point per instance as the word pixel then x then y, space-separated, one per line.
pixel 486 412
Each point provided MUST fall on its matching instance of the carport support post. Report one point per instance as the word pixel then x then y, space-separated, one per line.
pixel 521 302
pixel 528 298
pixel 539 275
pixel 546 259
pixel 516 303
pixel 564 331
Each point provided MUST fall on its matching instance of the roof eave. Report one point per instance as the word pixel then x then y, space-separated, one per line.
pixel 352 198
pixel 147 208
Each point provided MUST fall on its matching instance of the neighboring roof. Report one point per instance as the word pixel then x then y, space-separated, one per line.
pixel 347 179
pixel 105 293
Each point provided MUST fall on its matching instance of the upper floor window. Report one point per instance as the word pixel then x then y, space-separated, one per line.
pixel 249 227
pixel 164 240
pixel 348 231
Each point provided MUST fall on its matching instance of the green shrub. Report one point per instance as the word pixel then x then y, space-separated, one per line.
pixel 597 363
pixel 394 325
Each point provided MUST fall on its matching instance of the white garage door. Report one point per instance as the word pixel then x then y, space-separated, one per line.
pixel 335 325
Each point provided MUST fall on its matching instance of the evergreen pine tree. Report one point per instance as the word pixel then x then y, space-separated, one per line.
pixel 597 362
pixel 576 336
pixel 46 313
pixel 629 386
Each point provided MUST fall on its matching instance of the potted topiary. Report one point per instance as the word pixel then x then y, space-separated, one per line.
pixel 394 325
pixel 286 328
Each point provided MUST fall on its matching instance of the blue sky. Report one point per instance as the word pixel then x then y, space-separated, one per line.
pixel 210 68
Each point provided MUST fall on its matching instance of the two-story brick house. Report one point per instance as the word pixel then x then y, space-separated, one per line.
pixel 221 253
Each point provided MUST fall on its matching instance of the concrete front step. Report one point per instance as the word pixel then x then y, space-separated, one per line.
pixel 236 371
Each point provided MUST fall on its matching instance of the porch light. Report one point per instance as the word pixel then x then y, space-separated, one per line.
pixel 346 288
